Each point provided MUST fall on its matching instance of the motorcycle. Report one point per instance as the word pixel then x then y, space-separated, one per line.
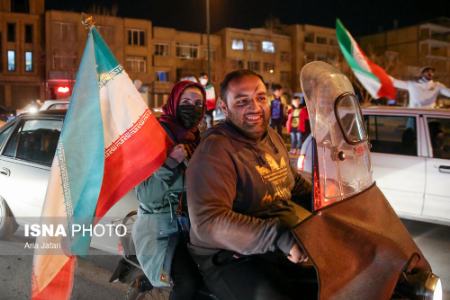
pixel 355 242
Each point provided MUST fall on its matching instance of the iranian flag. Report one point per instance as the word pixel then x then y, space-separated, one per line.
pixel 110 142
pixel 374 78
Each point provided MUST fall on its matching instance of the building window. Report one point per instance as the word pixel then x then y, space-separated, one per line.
pixel 161 49
pixel 29 34
pixel 321 40
pixel 332 41
pixel 20 6
pixel 11 60
pixel 285 76
pixel 28 61
pixel 136 37
pixel 162 76
pixel 137 64
pixel 309 37
pixel 254 66
pixel 237 64
pixel 269 67
pixel 268 47
pixel 187 51
pixel 11 32
pixel 64 31
pixel 285 56
pixel 252 45
pixel 64 62
pixel 237 44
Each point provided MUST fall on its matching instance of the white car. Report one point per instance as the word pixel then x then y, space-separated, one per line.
pixel 27 147
pixel 410 153
pixel 60 104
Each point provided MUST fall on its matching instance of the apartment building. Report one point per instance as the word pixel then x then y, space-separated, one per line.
pixel 404 51
pixel 309 43
pixel 21 52
pixel 40 52
pixel 178 54
pixel 129 40
pixel 260 50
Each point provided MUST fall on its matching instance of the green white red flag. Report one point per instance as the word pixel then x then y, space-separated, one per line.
pixel 110 142
pixel 373 77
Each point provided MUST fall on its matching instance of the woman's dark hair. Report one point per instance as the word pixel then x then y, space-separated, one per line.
pixel 238 74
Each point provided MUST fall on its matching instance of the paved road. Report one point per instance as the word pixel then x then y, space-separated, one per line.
pixel 91 278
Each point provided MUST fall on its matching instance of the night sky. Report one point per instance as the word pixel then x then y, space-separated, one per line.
pixel 360 18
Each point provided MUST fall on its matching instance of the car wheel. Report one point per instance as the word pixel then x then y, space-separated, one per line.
pixel 7 223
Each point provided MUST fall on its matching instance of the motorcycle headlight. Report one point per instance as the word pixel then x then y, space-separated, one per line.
pixel 437 295
pixel 421 286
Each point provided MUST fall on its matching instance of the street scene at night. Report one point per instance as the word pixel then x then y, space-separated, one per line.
pixel 212 149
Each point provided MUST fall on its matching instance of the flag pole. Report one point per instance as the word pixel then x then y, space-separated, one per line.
pixel 87 21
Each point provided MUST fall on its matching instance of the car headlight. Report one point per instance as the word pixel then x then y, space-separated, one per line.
pixel 420 286
pixel 437 295
pixel 33 109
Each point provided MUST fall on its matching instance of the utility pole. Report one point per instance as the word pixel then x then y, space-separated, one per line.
pixel 207 39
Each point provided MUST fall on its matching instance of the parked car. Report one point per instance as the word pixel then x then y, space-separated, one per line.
pixel 59 104
pixel 410 152
pixel 27 147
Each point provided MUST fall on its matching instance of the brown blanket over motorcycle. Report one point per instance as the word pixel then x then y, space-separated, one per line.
pixel 359 247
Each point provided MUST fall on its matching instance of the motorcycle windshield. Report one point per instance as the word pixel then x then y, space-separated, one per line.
pixel 343 166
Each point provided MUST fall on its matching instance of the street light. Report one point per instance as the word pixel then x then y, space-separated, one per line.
pixel 207 39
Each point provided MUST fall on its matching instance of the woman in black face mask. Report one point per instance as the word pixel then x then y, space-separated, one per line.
pixel 160 245
pixel 191 107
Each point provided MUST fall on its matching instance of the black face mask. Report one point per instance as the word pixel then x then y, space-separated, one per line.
pixel 189 115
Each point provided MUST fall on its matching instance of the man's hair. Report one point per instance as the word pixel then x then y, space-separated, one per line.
pixel 276 87
pixel 203 74
pixel 296 98
pixel 235 75
pixel 426 68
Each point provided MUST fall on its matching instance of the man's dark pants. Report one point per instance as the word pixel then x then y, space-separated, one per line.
pixel 277 124
pixel 261 277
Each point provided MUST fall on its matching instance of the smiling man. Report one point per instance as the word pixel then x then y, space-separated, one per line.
pixel 240 188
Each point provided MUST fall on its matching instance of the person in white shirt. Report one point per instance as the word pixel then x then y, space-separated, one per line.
pixel 423 92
